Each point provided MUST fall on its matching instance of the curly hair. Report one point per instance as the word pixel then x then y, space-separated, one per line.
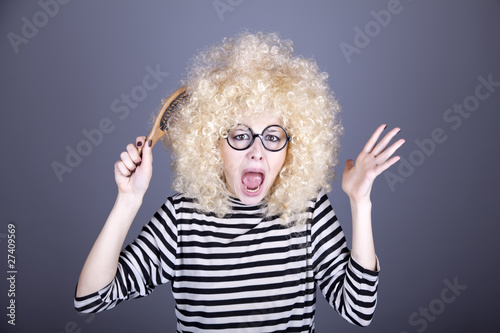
pixel 256 73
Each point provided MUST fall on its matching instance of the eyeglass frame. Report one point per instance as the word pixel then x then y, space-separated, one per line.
pixel 225 135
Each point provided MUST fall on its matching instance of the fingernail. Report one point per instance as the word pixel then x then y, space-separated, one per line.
pixel 139 144
pixel 150 143
pixel 385 126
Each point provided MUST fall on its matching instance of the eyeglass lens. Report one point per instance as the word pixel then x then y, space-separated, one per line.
pixel 241 137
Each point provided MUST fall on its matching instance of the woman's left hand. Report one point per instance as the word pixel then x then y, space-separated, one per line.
pixel 358 177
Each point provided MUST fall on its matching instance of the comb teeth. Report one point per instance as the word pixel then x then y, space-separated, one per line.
pixel 169 114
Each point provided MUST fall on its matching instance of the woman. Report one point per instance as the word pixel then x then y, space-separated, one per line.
pixel 251 233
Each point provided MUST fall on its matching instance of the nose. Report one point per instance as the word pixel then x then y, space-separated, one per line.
pixel 256 151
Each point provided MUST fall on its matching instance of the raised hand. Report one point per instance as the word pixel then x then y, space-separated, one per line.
pixel 133 171
pixel 358 177
pixel 132 175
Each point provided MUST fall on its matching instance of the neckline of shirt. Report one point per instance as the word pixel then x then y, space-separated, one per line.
pixel 236 202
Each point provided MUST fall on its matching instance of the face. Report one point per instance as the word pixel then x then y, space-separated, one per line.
pixel 251 173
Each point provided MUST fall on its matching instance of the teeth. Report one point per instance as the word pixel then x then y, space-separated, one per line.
pixel 252 191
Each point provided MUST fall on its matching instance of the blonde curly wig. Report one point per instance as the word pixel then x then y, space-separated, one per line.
pixel 256 74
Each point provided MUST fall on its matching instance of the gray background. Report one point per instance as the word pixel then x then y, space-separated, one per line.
pixel 439 222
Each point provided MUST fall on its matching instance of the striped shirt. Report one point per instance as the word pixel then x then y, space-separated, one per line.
pixel 244 272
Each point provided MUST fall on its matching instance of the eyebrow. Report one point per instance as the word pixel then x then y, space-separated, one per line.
pixel 268 128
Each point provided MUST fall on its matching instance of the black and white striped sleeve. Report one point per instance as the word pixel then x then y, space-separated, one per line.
pixel 144 264
pixel 348 287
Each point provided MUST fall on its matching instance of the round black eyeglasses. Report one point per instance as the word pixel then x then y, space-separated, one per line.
pixel 274 138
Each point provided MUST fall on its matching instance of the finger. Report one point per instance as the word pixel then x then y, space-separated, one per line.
pixel 122 169
pixel 389 151
pixel 127 161
pixel 140 142
pixel 134 154
pixel 384 166
pixel 140 139
pixel 373 139
pixel 147 156
pixel 385 141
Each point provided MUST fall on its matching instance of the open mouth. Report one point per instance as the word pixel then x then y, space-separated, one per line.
pixel 252 181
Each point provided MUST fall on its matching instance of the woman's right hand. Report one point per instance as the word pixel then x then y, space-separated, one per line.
pixel 133 172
